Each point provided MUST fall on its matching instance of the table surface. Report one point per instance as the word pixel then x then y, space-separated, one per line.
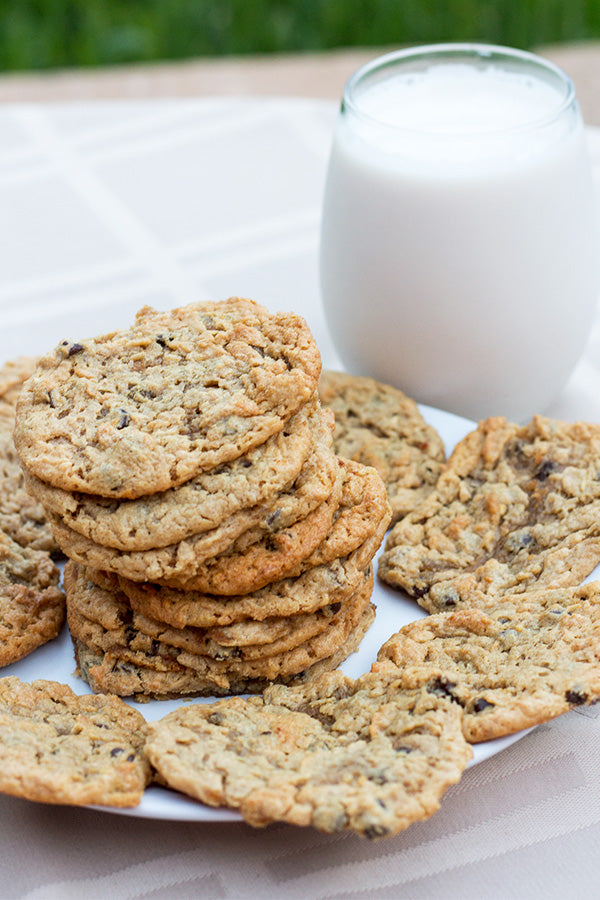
pixel 106 206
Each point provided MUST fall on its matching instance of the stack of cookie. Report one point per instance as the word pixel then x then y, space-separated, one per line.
pixel 217 543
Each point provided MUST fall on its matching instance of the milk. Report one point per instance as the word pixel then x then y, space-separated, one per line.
pixel 459 241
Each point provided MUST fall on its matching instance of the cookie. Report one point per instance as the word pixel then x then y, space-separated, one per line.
pixel 379 426
pixel 195 507
pixel 101 615
pixel 32 607
pixel 21 517
pixel 13 374
pixel 337 755
pixel 362 511
pixel 108 672
pixel 530 658
pixel 176 564
pixel 163 654
pixel 56 747
pixel 312 590
pixel 516 508
pixel 142 410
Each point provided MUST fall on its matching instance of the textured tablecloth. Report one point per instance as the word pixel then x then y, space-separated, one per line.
pixel 107 207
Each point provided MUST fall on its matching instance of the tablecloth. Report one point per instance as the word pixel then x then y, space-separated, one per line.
pixel 104 208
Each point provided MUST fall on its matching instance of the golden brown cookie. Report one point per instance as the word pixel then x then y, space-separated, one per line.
pixel 100 615
pixel 361 512
pixel 312 590
pixel 176 564
pixel 198 506
pixel 531 657
pixel 32 607
pixel 147 408
pixel 516 508
pixel 56 747
pixel 339 755
pixel 379 426
pixel 111 672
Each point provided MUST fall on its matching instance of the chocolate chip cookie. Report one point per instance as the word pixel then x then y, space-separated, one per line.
pixel 339 755
pixel 32 607
pixel 531 657
pixel 516 508
pixel 378 425
pixel 143 410
pixel 56 747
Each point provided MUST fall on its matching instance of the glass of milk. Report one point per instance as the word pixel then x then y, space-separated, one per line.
pixel 460 244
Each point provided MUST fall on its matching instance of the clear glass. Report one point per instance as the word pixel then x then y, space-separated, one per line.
pixel 459 242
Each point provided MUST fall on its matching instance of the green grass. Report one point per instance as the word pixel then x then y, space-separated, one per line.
pixel 40 34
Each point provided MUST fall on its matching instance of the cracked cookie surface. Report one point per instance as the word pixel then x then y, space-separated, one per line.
pixel 57 747
pixel 335 754
pixel 379 426
pixel 516 507
pixel 146 409
pixel 531 657
pixel 195 507
pixel 32 606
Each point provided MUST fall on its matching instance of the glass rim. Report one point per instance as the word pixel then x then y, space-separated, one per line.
pixel 473 50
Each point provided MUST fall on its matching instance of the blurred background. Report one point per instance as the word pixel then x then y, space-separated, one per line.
pixel 53 34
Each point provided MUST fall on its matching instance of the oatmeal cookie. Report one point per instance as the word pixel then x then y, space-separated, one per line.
pixel 56 747
pixel 109 672
pixel 198 506
pixel 516 508
pixel 378 425
pixel 32 607
pixel 312 590
pixel 145 409
pixel 319 479
pixel 531 657
pixel 336 754
pixel 361 512
pixel 13 374
pixel 100 613
pixel 163 653
pixel 21 517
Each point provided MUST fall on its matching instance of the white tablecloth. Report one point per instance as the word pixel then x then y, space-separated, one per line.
pixel 105 208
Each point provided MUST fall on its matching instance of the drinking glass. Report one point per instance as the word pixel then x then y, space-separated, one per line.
pixel 459 242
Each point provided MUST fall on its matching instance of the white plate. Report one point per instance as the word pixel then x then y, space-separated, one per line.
pixel 55 661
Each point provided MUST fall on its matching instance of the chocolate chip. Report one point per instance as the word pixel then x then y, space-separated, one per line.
pixel 480 704
pixel 272 517
pixel 124 420
pixel 378 778
pixel 70 349
pixel 442 687
pixel 545 469
pixel 449 599
pixel 576 697
pixel 216 718
pixel 376 831
pixel 116 751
